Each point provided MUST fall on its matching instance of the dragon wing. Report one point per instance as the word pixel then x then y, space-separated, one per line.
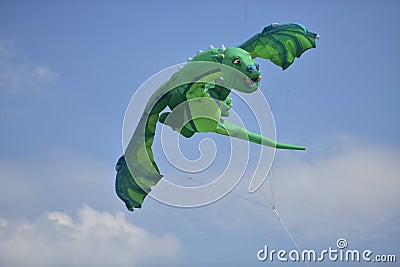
pixel 281 43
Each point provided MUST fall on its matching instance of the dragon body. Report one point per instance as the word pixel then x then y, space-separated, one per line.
pixel 200 104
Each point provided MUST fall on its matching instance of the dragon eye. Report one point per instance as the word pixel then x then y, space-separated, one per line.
pixel 236 61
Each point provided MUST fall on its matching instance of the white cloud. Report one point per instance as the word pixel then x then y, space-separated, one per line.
pixel 352 192
pixel 19 75
pixel 56 179
pixel 92 238
pixel 349 189
pixel 62 180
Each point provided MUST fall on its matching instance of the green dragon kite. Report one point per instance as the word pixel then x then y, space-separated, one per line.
pixel 198 103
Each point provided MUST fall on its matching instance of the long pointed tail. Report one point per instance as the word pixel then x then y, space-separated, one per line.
pixel 288 146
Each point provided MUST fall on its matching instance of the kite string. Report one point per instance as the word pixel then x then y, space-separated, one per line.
pixel 270 202
pixel 288 232
pixel 233 194
pixel 272 205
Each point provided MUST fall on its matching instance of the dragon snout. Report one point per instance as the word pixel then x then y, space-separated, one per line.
pixel 253 68
pixel 250 68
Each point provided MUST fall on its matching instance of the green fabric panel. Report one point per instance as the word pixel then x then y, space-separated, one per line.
pixel 218 92
pixel 133 182
pixel 281 43
pixel 233 130
pixel 126 187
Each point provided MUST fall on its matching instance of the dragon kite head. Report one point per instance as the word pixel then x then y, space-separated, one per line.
pixel 280 44
pixel 237 68
pixel 241 60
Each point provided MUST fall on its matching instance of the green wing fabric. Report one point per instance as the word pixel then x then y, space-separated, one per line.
pixel 281 43
pixel 136 170
pixel 126 187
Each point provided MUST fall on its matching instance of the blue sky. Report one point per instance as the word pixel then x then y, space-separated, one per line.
pixel 68 70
